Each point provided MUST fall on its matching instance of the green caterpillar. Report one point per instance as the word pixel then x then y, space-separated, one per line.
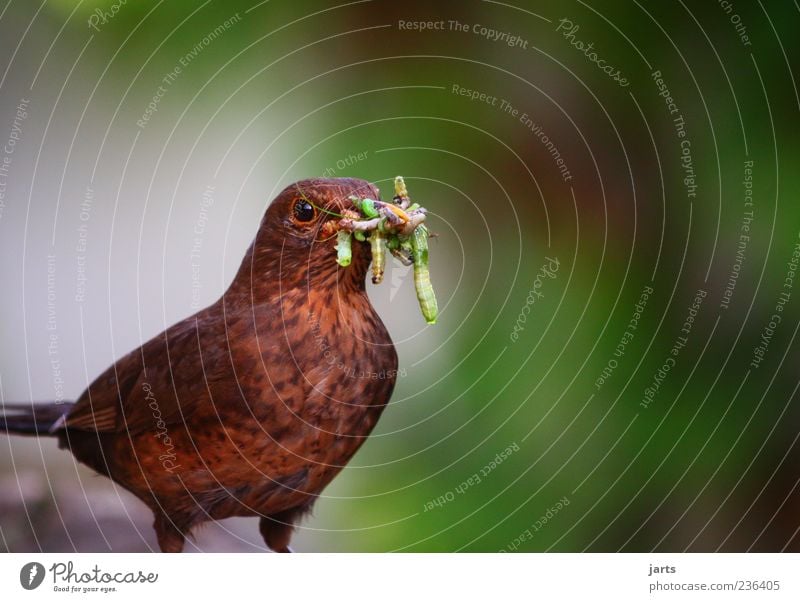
pixel 368 208
pixel 422 277
pixel 344 252
pixel 377 241
pixel 400 190
pixel 388 228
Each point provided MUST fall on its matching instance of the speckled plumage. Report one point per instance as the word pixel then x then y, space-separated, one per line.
pixel 253 405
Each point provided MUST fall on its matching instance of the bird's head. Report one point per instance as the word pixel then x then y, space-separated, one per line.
pixel 296 239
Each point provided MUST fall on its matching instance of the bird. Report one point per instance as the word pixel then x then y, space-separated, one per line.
pixel 251 406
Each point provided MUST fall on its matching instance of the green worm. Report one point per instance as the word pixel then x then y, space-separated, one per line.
pixel 368 208
pixel 400 187
pixel 344 253
pixel 377 241
pixel 422 277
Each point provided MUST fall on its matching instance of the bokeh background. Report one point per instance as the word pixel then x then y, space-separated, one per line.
pixel 523 420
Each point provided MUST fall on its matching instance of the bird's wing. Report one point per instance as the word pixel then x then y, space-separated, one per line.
pixel 163 380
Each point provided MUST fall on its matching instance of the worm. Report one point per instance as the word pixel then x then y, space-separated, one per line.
pixel 377 241
pixel 368 208
pixel 398 227
pixel 344 253
pixel 400 192
pixel 416 219
pixel 352 225
pixel 400 187
pixel 422 277
pixel 393 219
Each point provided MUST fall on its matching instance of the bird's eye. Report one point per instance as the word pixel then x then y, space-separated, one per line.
pixel 304 211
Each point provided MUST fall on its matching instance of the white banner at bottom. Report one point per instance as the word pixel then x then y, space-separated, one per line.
pixel 353 577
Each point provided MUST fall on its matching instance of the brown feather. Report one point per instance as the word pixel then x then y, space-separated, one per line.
pixel 253 405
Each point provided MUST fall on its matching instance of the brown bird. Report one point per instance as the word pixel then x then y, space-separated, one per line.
pixel 253 405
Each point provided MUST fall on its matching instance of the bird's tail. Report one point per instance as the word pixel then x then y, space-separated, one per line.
pixel 39 419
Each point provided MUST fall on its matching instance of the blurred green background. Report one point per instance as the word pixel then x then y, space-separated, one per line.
pixel 504 433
